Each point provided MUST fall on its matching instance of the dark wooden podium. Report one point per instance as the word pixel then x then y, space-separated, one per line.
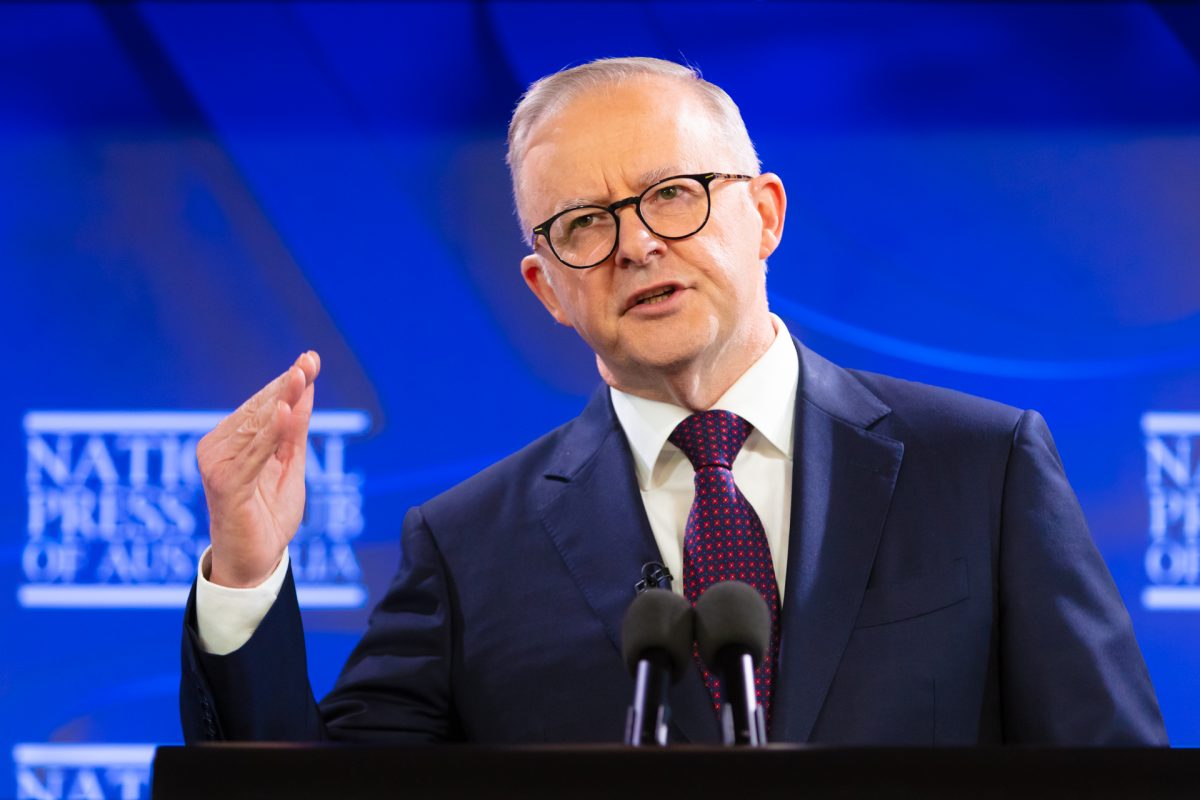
pixel 235 771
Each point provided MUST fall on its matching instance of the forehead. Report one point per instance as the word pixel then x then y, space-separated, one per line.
pixel 604 143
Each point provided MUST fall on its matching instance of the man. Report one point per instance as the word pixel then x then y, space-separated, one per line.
pixel 929 571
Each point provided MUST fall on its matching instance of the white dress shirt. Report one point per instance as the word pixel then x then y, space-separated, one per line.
pixel 765 396
pixel 226 618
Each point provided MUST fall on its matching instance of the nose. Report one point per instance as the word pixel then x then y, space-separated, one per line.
pixel 636 244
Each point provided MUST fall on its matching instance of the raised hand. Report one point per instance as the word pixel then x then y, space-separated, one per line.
pixel 252 467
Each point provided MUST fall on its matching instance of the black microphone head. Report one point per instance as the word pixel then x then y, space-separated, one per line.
pixel 732 613
pixel 658 619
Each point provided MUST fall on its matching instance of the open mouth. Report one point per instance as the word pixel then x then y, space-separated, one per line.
pixel 655 296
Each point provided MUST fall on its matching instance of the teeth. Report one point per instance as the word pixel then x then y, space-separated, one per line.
pixel 657 298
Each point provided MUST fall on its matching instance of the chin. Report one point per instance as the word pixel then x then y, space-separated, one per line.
pixel 662 356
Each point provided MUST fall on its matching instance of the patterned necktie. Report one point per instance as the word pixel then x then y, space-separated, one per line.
pixel 724 538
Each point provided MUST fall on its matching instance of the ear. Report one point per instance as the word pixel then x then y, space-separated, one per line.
pixel 533 270
pixel 770 201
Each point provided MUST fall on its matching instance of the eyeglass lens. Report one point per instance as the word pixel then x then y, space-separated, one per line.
pixel 675 208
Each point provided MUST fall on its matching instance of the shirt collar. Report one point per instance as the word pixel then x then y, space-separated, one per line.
pixel 765 396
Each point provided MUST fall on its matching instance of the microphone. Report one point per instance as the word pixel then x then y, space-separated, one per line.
pixel 733 631
pixel 656 641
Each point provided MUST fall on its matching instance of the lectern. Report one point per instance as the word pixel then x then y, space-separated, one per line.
pixel 298 772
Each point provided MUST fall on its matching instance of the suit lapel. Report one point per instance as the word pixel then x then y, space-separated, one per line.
pixel 591 508
pixel 842 484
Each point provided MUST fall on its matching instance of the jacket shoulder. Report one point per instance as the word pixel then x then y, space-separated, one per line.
pixel 920 407
pixel 504 477
pixel 511 487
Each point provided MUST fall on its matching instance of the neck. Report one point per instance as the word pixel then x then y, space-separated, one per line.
pixel 698 384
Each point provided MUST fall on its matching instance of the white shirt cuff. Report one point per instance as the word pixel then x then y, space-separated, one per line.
pixel 226 618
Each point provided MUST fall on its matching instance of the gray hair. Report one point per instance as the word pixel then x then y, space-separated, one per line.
pixel 549 95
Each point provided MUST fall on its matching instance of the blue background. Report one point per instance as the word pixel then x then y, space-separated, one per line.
pixel 1001 198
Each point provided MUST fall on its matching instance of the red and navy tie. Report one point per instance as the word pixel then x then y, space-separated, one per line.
pixel 724 538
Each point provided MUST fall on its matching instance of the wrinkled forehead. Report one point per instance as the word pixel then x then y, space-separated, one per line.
pixel 609 142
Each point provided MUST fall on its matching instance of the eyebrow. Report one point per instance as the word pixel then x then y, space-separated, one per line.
pixel 575 202
pixel 646 180
pixel 655 175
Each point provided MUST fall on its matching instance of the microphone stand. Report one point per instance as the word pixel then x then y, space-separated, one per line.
pixel 743 721
pixel 649 715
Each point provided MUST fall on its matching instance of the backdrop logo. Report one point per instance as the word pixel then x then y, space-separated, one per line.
pixel 117 517
pixel 83 772
pixel 1173 489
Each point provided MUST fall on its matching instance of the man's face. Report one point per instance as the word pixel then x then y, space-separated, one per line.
pixel 610 144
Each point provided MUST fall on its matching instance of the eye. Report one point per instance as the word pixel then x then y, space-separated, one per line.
pixel 668 192
pixel 583 221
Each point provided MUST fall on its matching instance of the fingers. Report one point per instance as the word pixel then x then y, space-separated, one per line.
pixel 286 387
pixel 277 415
pixel 298 380
pixel 310 363
pixel 295 434
pixel 291 384
pixel 265 396
pixel 264 440
pixel 254 439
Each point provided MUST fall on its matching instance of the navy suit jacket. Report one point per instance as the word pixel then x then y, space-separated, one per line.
pixel 942 588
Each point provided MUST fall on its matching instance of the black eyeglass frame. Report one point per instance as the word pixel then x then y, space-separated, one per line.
pixel 703 178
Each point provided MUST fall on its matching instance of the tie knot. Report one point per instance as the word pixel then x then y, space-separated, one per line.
pixel 711 438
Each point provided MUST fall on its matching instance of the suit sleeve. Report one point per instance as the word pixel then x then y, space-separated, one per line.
pixel 395 687
pixel 259 692
pixel 1071 670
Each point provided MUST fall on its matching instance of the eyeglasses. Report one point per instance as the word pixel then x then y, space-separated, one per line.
pixel 674 208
